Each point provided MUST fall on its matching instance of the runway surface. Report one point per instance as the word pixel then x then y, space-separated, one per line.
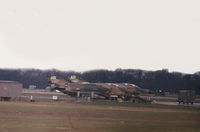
pixel 74 99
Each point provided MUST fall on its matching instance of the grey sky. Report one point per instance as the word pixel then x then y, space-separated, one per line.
pixel 88 34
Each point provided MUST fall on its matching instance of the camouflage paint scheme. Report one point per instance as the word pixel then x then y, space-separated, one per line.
pixel 107 90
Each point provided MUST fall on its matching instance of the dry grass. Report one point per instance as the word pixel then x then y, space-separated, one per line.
pixel 73 117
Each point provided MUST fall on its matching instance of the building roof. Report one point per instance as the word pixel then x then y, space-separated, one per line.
pixel 5 81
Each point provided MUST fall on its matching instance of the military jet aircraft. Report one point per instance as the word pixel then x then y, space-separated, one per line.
pixel 77 88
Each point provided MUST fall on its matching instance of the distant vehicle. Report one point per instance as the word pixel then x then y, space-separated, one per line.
pixel 76 87
pixel 160 92
pixel 186 96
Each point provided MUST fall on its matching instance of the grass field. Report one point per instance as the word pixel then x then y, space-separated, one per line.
pixel 97 117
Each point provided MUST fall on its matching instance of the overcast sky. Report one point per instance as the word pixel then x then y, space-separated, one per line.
pixel 91 34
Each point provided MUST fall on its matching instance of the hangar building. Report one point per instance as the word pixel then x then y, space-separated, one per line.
pixel 10 89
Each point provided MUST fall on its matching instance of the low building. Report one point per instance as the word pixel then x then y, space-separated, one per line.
pixel 32 87
pixel 10 89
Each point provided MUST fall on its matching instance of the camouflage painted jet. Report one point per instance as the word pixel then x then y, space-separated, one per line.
pixel 77 88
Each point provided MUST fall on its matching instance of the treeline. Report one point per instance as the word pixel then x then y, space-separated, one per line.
pixel 153 80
